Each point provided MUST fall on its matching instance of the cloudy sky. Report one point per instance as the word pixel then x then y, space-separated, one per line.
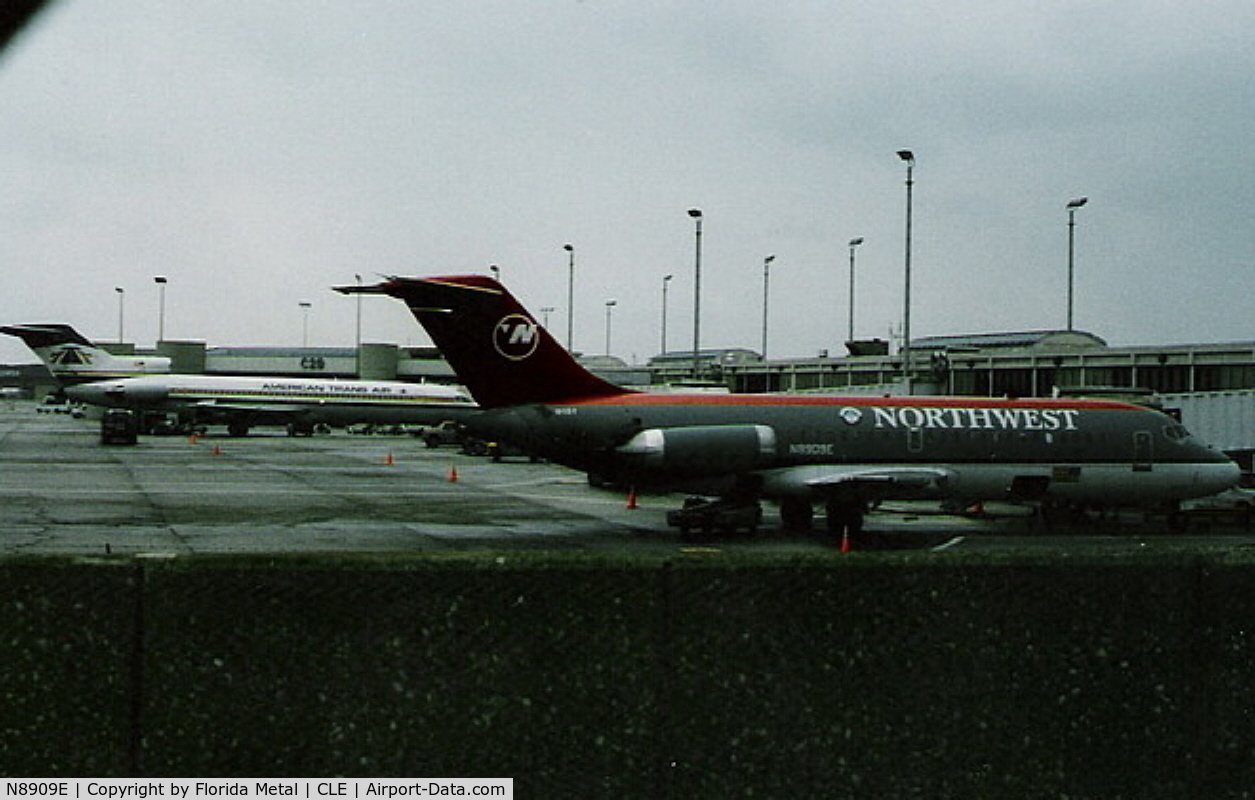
pixel 259 152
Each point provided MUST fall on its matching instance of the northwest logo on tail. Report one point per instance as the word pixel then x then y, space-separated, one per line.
pixel 515 337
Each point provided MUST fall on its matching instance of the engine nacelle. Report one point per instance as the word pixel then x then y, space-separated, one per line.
pixel 700 450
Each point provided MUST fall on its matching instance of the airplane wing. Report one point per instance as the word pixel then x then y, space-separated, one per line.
pixel 255 409
pixel 865 481
pixel 909 478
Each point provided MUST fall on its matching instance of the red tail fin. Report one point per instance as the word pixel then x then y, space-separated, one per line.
pixel 493 344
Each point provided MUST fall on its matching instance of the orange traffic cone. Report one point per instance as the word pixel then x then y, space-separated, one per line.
pixel 387 462
pixel 217 450
pixel 453 474
pixel 193 439
pixel 631 501
pixel 845 541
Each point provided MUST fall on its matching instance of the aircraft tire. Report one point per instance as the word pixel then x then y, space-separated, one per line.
pixel 1052 514
pixel 796 514
pixel 1177 521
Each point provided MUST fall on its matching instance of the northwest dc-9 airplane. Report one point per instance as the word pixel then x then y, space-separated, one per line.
pixel 91 375
pixel 843 453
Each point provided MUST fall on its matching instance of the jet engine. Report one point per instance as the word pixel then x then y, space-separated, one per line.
pixel 701 449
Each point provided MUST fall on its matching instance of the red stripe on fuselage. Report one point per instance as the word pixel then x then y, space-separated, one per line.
pixel 764 400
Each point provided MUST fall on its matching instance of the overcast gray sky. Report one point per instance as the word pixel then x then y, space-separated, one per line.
pixel 259 152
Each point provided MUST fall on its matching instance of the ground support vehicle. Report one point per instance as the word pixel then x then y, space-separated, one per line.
pixel 447 432
pixel 721 515
pixel 119 426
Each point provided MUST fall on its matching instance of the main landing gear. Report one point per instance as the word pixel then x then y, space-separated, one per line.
pixel 844 517
pixel 731 515
pixel 796 514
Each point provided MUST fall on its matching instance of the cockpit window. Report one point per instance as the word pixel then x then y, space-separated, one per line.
pixel 1176 433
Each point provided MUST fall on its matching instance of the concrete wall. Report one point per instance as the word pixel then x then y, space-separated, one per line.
pixel 863 676
pixel 186 358
pixel 379 362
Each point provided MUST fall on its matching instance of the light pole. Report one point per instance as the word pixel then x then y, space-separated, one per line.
pixel 609 305
pixel 570 298
pixel 357 359
pixel 666 279
pixel 304 323
pixel 121 313
pixel 696 214
pixel 161 282
pixel 909 158
pixel 1072 206
pixel 766 263
pixel 854 243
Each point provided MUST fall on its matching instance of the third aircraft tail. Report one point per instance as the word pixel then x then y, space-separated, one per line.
pixel 72 358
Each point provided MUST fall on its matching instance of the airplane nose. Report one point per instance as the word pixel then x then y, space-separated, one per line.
pixel 1233 476
pixel 1218 477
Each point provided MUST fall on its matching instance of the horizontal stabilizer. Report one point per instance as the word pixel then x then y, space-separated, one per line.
pixel 46 335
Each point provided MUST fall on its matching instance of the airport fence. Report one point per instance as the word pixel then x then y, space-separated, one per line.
pixel 705 676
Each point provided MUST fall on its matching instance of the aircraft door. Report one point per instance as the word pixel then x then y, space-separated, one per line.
pixel 915 439
pixel 1143 451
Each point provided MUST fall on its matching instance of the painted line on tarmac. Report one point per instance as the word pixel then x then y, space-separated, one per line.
pixel 546 481
pixel 218 490
pixel 947 545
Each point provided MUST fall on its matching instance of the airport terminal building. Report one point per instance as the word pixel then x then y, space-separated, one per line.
pixel 1032 364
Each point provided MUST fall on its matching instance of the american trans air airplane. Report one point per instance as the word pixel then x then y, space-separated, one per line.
pixel 842 453
pixel 72 358
pixel 93 376
pixel 298 403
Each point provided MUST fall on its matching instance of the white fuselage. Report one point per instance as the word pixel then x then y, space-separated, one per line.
pixel 276 400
